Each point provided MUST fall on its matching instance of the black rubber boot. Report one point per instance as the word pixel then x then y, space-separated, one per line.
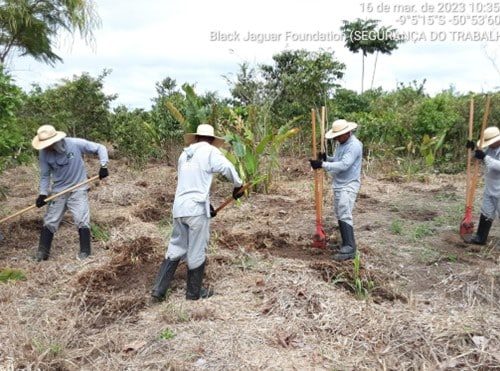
pixel 483 230
pixel 163 280
pixel 194 291
pixel 84 243
pixel 43 252
pixel 348 248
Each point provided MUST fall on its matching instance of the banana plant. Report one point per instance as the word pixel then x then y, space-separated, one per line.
pixel 255 145
pixel 196 111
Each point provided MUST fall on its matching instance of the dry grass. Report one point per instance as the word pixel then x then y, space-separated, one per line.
pixel 279 304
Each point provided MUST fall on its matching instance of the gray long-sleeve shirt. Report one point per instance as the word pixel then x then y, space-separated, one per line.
pixel 492 173
pixel 66 168
pixel 345 165
pixel 195 170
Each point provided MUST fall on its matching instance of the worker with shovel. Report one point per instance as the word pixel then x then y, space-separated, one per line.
pixel 491 159
pixel 345 166
pixel 192 211
pixel 61 161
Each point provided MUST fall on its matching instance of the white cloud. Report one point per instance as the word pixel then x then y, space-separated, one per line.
pixel 144 42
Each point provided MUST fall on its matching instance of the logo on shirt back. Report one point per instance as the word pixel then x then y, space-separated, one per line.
pixel 70 155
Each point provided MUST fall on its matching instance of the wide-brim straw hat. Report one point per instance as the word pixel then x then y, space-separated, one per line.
pixel 491 135
pixel 206 131
pixel 46 135
pixel 340 127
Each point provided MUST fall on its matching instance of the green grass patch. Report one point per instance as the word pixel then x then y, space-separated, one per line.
pixel 167 334
pixel 428 255
pixel 421 231
pixel 9 274
pixel 99 233
pixel 397 227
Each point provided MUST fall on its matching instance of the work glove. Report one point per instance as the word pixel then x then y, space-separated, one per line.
pixel 322 156
pixel 40 201
pixel 237 193
pixel 470 145
pixel 103 172
pixel 213 213
pixel 316 164
pixel 479 154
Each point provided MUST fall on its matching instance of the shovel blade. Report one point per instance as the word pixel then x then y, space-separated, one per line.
pixel 466 228
pixel 467 225
pixel 319 238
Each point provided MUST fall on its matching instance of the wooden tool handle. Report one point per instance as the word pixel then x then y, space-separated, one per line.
pixel 481 141
pixel 51 198
pixel 313 123
pixel 228 200
pixel 323 118
pixel 468 201
pixel 485 120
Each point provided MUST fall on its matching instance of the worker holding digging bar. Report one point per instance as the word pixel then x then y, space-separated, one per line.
pixel 490 157
pixel 345 166
pixel 192 211
pixel 61 161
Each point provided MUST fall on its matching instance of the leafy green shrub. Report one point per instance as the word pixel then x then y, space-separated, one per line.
pixel 131 135
pixel 77 106
pixel 13 145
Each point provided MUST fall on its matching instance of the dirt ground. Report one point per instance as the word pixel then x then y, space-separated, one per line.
pixel 421 298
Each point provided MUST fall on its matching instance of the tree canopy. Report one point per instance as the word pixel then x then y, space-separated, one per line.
pixel 31 27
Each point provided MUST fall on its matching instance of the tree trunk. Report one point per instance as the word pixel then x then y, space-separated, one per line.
pixel 374 69
pixel 362 71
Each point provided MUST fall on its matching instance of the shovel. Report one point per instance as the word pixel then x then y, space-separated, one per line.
pixel 467 225
pixel 48 199
pixel 319 238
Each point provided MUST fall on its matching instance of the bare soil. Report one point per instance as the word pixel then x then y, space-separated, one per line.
pixel 420 299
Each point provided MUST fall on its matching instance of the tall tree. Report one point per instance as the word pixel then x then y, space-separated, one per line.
pixel 31 27
pixel 386 42
pixel 299 80
pixel 360 35
pixel 12 141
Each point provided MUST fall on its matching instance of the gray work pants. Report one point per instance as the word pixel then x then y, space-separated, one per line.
pixel 489 208
pixel 189 240
pixel 344 205
pixel 76 202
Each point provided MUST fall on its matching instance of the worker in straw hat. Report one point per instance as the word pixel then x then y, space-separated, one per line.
pixel 61 167
pixel 345 166
pixel 191 212
pixel 491 159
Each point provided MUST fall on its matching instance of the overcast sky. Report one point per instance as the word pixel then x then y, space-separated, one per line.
pixel 197 42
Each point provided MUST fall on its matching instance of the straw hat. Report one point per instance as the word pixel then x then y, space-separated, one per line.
pixel 491 135
pixel 46 136
pixel 340 127
pixel 206 131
